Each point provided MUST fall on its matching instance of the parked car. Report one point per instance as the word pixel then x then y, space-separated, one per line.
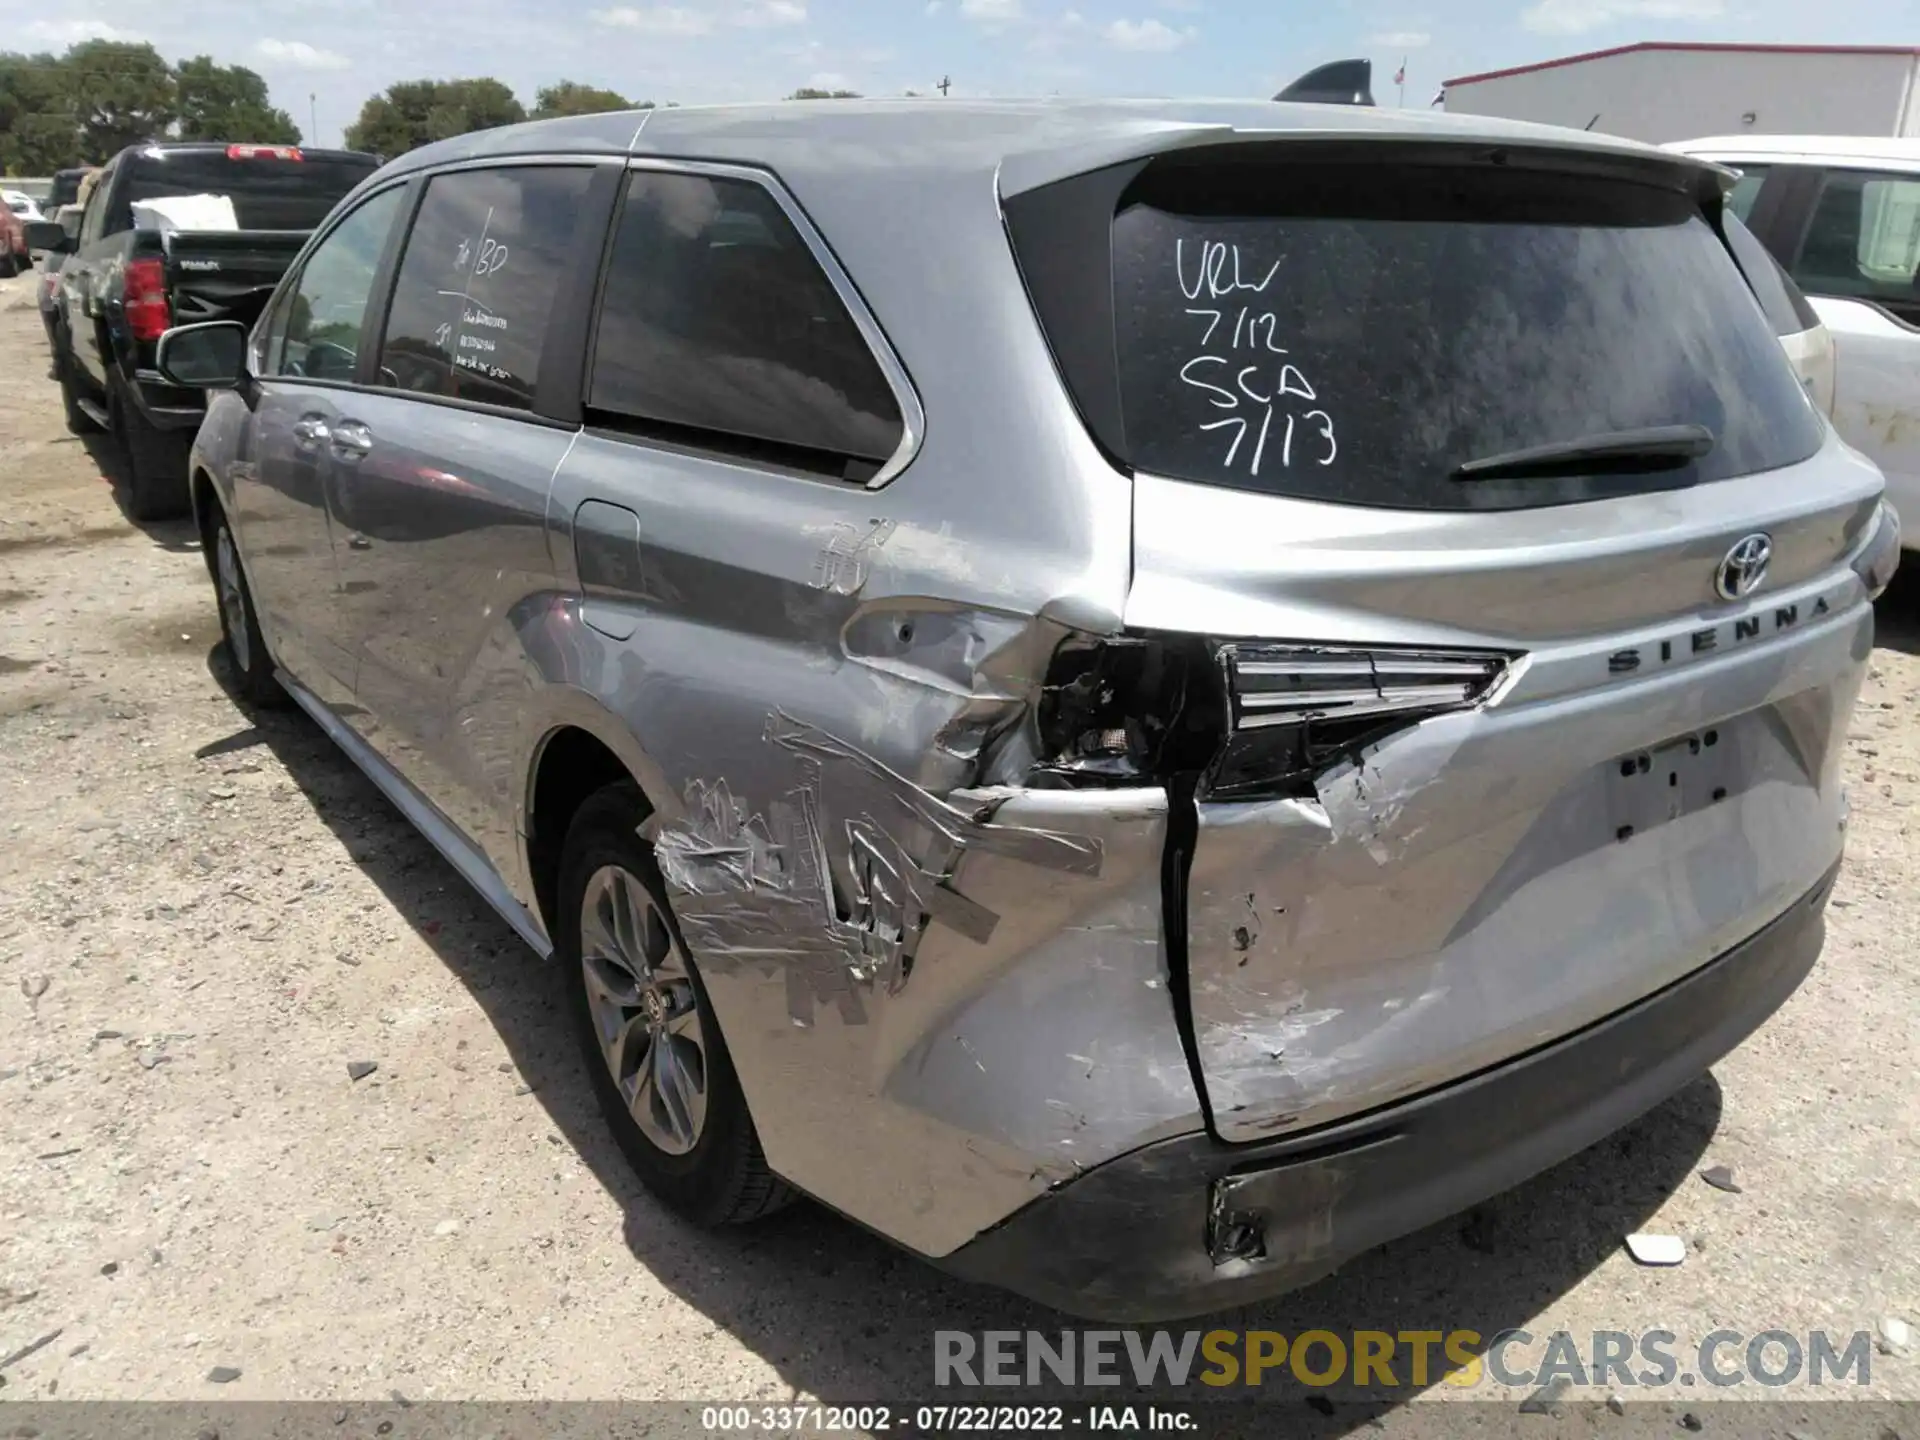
pixel 1201 698
pixel 125 281
pixel 14 255
pixel 1842 216
pixel 23 205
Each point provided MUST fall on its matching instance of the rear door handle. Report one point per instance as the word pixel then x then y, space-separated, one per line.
pixel 310 431
pixel 352 440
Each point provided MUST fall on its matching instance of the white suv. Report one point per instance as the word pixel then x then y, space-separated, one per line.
pixel 1842 214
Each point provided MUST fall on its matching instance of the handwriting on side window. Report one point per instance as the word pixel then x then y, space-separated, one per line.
pixel 492 256
pixel 1275 394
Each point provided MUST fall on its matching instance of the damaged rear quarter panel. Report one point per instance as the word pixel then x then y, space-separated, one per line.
pixel 830 686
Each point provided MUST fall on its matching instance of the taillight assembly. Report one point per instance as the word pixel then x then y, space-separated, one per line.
pixel 263 152
pixel 144 298
pixel 1243 718
pixel 1127 711
pixel 1295 709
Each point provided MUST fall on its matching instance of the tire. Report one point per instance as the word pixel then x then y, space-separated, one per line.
pixel 700 1156
pixel 156 459
pixel 9 266
pixel 78 421
pixel 247 653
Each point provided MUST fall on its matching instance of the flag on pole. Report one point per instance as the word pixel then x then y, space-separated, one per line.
pixel 1438 96
pixel 1400 75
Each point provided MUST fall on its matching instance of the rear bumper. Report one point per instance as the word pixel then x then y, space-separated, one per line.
pixel 1190 1225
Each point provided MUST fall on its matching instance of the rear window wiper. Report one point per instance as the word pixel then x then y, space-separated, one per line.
pixel 1655 447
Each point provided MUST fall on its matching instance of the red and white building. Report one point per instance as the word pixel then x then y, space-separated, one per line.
pixel 1657 91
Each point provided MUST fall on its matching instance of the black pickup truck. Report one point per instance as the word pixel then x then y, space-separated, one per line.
pixel 120 287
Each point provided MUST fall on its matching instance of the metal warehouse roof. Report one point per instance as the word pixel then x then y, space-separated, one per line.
pixel 1683 46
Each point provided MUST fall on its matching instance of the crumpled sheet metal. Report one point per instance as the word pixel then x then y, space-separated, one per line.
pixel 770 887
pixel 1366 798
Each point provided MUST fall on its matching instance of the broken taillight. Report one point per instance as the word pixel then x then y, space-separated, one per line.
pixel 1128 710
pixel 1241 717
pixel 144 298
pixel 1294 709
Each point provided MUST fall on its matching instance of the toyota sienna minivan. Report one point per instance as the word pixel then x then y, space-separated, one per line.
pixel 1138 697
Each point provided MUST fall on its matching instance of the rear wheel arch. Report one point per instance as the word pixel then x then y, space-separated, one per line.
pixel 576 758
pixel 204 496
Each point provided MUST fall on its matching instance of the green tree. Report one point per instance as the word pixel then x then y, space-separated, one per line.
pixel 120 93
pixel 228 102
pixel 418 112
pixel 38 133
pixel 807 92
pixel 571 98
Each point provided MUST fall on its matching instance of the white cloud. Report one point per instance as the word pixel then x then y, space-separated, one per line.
pixel 654 20
pixel 1576 17
pixel 1145 35
pixel 933 7
pixel 827 80
pixel 992 11
pixel 684 22
pixel 299 55
pixel 773 12
pixel 72 32
pixel 1400 40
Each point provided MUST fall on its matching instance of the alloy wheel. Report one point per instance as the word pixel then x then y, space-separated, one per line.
pixel 645 1012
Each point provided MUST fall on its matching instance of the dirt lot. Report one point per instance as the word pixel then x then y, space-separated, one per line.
pixel 206 914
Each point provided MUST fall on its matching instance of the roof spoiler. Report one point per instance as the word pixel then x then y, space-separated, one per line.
pixel 1339 82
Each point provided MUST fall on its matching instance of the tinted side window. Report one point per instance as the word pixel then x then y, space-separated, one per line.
pixel 1786 311
pixel 477 284
pixel 316 329
pixel 1863 241
pixel 1746 189
pixel 718 328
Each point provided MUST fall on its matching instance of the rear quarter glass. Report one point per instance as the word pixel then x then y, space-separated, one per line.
pixel 1780 299
pixel 1353 333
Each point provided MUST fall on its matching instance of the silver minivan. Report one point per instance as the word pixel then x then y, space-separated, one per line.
pixel 1138 697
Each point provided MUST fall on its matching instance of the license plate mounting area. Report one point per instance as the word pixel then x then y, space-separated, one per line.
pixel 1653 787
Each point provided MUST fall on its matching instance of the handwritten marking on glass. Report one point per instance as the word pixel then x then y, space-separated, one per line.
pixel 475 261
pixel 493 256
pixel 1212 277
pixel 1261 389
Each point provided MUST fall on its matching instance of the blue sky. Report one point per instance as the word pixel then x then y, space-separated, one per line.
pixel 340 51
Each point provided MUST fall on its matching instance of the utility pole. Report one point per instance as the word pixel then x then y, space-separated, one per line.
pixel 313 119
pixel 943 86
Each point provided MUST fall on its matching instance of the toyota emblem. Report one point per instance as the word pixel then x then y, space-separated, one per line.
pixel 1745 568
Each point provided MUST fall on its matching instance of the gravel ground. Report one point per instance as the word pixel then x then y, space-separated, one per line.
pixel 206 915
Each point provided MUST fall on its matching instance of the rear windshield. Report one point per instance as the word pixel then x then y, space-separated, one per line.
pixel 267 193
pixel 1355 332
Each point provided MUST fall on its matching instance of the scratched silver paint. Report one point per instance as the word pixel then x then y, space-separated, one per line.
pixel 946 991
